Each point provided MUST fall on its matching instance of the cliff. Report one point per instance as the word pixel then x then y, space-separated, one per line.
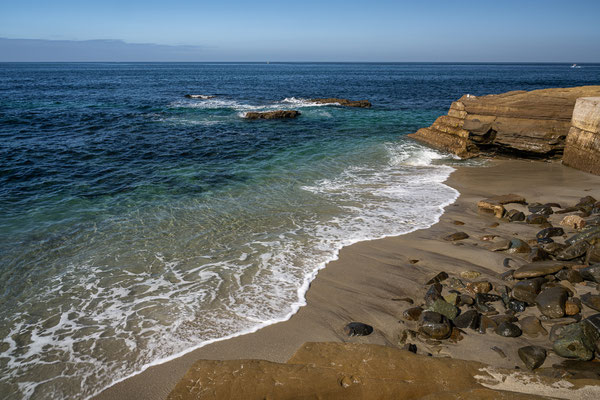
pixel 582 150
pixel 520 123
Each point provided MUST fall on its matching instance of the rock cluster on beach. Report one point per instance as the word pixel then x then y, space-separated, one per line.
pixel 550 285
pixel 530 124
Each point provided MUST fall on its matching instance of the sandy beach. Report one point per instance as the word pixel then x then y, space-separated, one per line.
pixel 363 283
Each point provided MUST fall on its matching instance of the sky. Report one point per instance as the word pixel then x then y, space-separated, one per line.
pixel 307 30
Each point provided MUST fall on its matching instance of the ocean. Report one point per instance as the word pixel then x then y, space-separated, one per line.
pixel 137 224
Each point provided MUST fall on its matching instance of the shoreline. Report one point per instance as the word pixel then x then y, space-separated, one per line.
pixel 361 283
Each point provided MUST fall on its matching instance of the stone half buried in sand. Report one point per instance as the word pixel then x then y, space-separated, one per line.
pixel 278 114
pixel 530 124
pixel 343 102
pixel 364 371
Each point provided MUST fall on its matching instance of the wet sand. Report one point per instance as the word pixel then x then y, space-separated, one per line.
pixel 363 283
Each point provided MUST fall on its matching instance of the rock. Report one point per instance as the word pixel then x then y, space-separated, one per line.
pixel 433 293
pixel 458 222
pixel 358 329
pixel 442 276
pixel 498 319
pixel 591 300
pixel 490 206
pixel 470 274
pixel 551 301
pixel 343 102
pixel 412 314
pixel 278 114
pixel 516 305
pixel 413 261
pixel 199 96
pixel 587 234
pixel 452 298
pixel 574 251
pixel 582 148
pixel 508 329
pixel 499 244
pixel 410 347
pixel 446 309
pixel 537 208
pixel 540 268
pixel 455 283
pixel 550 232
pixel 456 236
pixel 532 356
pixel 570 275
pixel 434 325
pixel 498 351
pixel 515 216
pixel 537 254
pixel 479 287
pixel 591 330
pixel 591 273
pixel 553 248
pixel 593 254
pixel 572 308
pixel 487 238
pixel 532 326
pixel 518 246
pixel 508 275
pixel 465 299
pixel 468 319
pixel 508 199
pixel 536 219
pixel 572 343
pixel 522 123
pixel 573 222
pixel 486 323
pixel 528 289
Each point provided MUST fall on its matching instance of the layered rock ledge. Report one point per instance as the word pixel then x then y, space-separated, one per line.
pixel 519 123
pixel 582 150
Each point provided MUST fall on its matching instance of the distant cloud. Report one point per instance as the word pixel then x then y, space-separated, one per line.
pixel 94 50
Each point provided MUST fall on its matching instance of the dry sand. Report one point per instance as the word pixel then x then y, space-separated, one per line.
pixel 362 283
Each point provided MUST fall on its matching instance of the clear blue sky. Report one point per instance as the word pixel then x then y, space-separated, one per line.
pixel 307 30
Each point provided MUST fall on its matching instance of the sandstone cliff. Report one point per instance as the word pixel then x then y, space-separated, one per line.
pixel 528 124
pixel 582 150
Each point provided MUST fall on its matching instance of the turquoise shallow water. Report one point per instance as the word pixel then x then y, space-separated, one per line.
pixel 136 224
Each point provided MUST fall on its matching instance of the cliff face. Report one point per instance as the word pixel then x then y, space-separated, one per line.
pixel 528 124
pixel 582 150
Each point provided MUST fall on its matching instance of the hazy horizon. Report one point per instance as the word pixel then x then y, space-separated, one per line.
pixel 349 31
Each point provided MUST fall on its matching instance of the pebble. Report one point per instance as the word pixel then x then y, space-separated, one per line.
pixel 573 222
pixel 551 301
pixel 532 356
pixel 479 287
pixel 536 269
pixel 508 329
pixel 470 274
pixel 434 325
pixel 442 276
pixel 468 319
pixel 591 300
pixel 531 326
pixel 412 314
pixel 358 329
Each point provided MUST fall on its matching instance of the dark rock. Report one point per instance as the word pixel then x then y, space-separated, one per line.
pixel 575 250
pixel 528 289
pixel 536 219
pixel 446 309
pixel 456 236
pixel 498 319
pixel 343 102
pixel 550 232
pixel 442 276
pixel 508 329
pixel 586 201
pixel 487 297
pixel 433 293
pixel 465 299
pixel 532 326
pixel 591 273
pixel 515 216
pixel 412 314
pixel 537 208
pixel 588 233
pixel 516 305
pixel 591 330
pixel 553 248
pixel 553 205
pixel 545 241
pixel 499 351
pixel 551 301
pixel 572 343
pixel 278 114
pixel 571 275
pixel 486 323
pixel 536 269
pixel 532 356
pixel 468 319
pixel 518 246
pixel 537 254
pixel 199 96
pixel 410 347
pixel 358 329
pixel 434 325
pixel 506 262
pixel 591 300
pixel 508 275
pixel 499 244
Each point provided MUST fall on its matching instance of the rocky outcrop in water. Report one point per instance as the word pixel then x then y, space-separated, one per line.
pixel 199 96
pixel 582 150
pixel 344 102
pixel 279 114
pixel 526 124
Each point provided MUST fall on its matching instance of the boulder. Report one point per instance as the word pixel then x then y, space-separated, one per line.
pixel 522 123
pixel 551 301
pixel 573 343
pixel 343 102
pixel 582 148
pixel 278 114
pixel 358 329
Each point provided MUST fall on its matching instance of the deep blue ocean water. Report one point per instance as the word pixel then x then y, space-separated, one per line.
pixel 136 224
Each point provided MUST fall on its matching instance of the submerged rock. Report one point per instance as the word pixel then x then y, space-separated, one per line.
pixel 343 102
pixel 550 232
pixel 278 114
pixel 412 314
pixel 358 329
pixel 532 356
pixel 442 276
